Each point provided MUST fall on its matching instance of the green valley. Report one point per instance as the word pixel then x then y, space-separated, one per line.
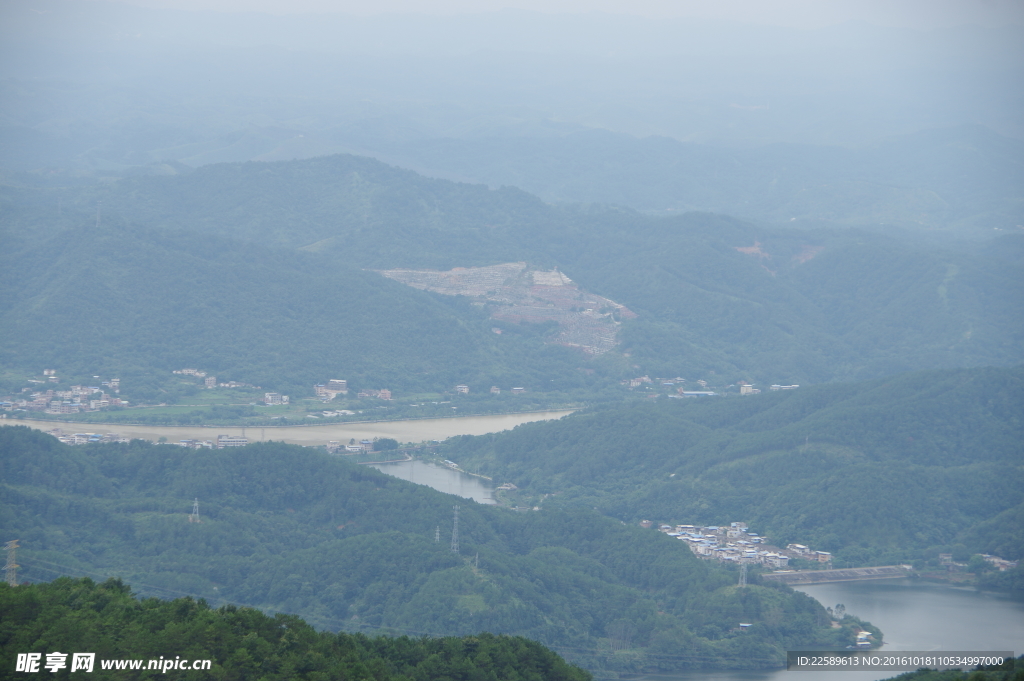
pixel 289 529
pixel 261 277
pixel 893 470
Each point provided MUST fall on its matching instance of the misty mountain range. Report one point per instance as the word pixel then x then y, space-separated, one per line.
pixel 662 116
pixel 286 199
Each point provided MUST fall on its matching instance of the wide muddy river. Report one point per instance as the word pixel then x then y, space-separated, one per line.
pixel 415 430
pixel 913 615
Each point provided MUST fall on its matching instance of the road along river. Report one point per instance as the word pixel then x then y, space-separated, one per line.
pixel 414 430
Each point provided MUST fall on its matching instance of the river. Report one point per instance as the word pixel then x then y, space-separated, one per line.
pixel 912 614
pixel 413 430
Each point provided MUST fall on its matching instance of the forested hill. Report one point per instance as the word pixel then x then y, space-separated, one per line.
pixel 80 616
pixel 293 530
pixel 141 303
pixel 368 213
pixel 879 471
pixel 717 298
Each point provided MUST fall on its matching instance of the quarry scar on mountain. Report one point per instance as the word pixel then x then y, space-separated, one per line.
pixel 515 293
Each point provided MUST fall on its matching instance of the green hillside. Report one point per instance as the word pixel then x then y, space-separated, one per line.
pixel 292 530
pixel 890 470
pixel 799 306
pixel 368 213
pixel 239 643
pixel 141 303
pixel 265 263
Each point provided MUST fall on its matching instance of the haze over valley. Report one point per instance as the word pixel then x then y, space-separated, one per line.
pixel 773 270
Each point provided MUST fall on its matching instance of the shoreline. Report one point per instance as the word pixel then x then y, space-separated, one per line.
pixel 413 430
pixel 566 411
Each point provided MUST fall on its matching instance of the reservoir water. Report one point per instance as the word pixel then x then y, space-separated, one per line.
pixel 913 615
pixel 441 478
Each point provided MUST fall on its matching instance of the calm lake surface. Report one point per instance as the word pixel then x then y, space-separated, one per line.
pixel 416 430
pixel 913 615
pixel 442 479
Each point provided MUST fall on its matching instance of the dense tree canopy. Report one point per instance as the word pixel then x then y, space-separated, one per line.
pixel 293 530
pixel 69 616
pixel 266 263
pixel 877 471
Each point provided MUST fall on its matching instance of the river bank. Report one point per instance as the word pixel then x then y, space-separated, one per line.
pixel 913 615
pixel 409 430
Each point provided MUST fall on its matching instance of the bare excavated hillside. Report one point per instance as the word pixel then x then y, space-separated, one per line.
pixel 515 293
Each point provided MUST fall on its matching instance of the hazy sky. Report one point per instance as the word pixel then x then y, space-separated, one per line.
pixel 921 14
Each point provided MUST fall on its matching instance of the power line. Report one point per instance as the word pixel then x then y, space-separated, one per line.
pixel 11 568
pixel 348 625
pixel 455 531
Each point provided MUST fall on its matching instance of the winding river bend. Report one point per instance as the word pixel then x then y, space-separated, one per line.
pixel 912 614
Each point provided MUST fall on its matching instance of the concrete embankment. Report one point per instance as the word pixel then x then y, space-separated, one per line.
pixel 844 575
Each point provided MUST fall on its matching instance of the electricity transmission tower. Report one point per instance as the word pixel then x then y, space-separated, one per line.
pixel 437 534
pixel 743 574
pixel 11 568
pixel 194 515
pixel 455 531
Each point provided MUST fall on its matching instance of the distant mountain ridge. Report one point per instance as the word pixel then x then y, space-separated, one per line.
pixel 865 305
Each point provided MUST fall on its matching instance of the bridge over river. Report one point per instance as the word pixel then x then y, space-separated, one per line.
pixel 844 575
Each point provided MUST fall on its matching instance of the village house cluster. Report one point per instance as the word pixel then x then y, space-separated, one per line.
pixel 382 394
pixel 737 544
pixel 328 391
pixel 339 386
pixel 1001 564
pixel 85 438
pixel 222 442
pixel 211 381
pixel 78 399
pixel 463 389
pixel 678 383
pixel 998 563
pixel 352 447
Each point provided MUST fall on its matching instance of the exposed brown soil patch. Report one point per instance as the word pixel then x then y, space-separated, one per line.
pixel 517 294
